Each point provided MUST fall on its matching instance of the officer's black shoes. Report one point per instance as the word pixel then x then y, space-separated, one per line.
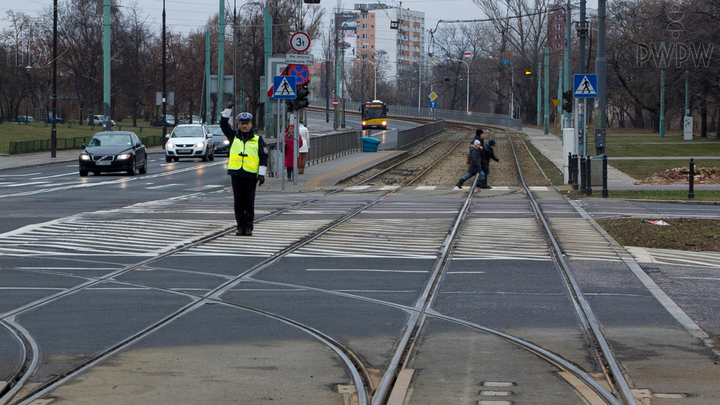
pixel 248 232
pixel 240 233
pixel 459 184
pixel 244 232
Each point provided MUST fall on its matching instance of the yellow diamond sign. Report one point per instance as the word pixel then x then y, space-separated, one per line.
pixel 433 96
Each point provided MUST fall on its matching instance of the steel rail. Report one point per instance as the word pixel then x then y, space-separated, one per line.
pixel 593 328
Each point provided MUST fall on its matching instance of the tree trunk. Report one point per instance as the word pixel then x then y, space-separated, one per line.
pixel 703 118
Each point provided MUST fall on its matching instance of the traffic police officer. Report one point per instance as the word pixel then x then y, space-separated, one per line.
pixel 247 166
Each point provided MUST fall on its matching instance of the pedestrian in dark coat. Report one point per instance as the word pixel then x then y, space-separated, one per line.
pixel 475 165
pixel 289 148
pixel 479 137
pixel 485 156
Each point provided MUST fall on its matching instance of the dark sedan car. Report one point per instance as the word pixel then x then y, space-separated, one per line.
pixel 119 151
pixel 220 141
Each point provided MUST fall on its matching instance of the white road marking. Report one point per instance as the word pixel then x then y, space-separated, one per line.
pixel 163 186
pixel 56 175
pixel 357 188
pixel 421 188
pixel 371 270
pixel 24 184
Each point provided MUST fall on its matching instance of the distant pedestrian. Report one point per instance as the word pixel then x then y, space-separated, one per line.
pixel 247 165
pixel 304 147
pixel 289 149
pixel 487 153
pixel 475 165
pixel 479 137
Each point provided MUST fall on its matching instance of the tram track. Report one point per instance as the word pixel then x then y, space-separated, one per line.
pixel 406 346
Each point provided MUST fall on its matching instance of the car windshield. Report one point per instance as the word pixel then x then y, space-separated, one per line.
pixel 188 132
pixel 110 140
pixel 216 131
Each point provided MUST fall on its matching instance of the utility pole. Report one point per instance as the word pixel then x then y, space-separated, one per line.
pixel 582 30
pixel 106 66
pixel 53 134
pixel 164 79
pixel 268 54
pixel 539 94
pixel 208 118
pixel 221 60
pixel 600 70
pixel 568 39
pixel 546 107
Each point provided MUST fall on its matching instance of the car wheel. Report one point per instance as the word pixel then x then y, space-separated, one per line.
pixel 83 173
pixel 205 157
pixel 143 168
pixel 131 170
pixel 177 158
pixel 168 159
pixel 212 155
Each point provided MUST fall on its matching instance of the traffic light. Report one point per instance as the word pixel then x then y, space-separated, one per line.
pixel 301 97
pixel 290 104
pixel 567 101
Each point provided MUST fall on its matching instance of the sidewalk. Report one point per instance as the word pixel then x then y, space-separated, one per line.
pixel 551 146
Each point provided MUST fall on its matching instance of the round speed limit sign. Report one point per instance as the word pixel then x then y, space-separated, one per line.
pixel 300 41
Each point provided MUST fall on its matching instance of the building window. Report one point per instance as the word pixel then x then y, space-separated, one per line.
pixel 364 26
pixel 372 16
pixel 372 46
pixel 372 26
pixel 364 36
pixel 364 16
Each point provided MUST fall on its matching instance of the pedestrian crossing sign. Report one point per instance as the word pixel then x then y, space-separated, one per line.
pixel 284 87
pixel 585 86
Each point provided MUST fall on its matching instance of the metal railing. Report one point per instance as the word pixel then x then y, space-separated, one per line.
pixel 500 120
pixel 42 145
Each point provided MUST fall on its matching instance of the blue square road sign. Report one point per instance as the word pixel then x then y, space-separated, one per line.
pixel 284 87
pixel 585 86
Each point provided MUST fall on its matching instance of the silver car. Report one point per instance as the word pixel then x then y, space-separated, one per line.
pixel 189 141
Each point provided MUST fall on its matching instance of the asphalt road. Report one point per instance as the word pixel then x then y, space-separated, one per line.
pixel 90 263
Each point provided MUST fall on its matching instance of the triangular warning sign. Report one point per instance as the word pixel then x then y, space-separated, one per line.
pixel 285 89
pixel 585 87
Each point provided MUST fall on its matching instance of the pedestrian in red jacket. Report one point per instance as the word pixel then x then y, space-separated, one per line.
pixel 289 147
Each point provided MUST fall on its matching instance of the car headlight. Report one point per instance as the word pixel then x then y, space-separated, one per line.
pixel 226 142
pixel 384 122
pixel 200 144
pixel 85 157
pixel 364 123
pixel 170 145
pixel 123 156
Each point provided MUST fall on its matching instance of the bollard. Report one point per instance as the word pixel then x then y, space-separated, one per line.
pixel 588 176
pixel 576 175
pixel 604 177
pixel 583 170
pixel 570 167
pixel 691 180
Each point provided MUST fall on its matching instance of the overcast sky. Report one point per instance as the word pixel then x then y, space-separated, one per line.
pixel 187 15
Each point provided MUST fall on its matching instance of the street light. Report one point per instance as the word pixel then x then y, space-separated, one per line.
pixel 375 77
pixel 419 79
pixel 467 91
pixel 27 98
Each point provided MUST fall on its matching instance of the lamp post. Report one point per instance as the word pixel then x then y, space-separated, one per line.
pixel 27 97
pixel 467 91
pixel 374 78
pixel 419 79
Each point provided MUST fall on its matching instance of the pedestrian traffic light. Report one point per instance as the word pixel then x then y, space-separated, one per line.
pixel 311 1
pixel 301 97
pixel 290 104
pixel 567 101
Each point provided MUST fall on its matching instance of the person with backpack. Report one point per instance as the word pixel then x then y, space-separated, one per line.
pixel 474 166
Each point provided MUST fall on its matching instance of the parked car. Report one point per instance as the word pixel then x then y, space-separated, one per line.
pixel 197 120
pixel 98 120
pixel 58 120
pixel 25 118
pixel 220 142
pixel 119 151
pixel 157 121
pixel 189 140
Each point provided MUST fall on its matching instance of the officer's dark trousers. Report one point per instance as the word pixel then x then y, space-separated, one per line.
pixel 244 195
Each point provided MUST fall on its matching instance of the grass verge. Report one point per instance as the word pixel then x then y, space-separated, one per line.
pixel 551 171
pixel 698 235
pixel 700 195
pixel 37 131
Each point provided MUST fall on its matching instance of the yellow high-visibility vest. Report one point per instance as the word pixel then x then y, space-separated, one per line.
pixel 244 155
